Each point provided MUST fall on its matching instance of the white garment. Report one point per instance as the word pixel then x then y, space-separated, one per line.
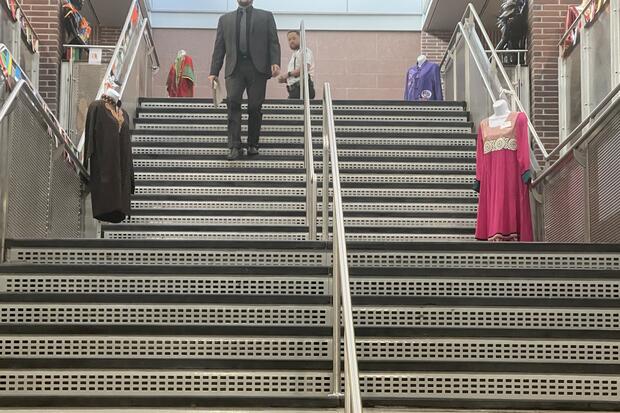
pixel 295 63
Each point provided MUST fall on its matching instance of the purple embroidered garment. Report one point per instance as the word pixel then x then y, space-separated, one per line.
pixel 424 83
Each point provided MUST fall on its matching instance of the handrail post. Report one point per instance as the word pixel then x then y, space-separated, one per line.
pixel 311 184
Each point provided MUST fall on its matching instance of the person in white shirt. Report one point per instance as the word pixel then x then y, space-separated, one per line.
pixel 293 77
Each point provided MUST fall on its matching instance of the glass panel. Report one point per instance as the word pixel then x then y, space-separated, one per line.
pixel 573 89
pixel 7 30
pixel 600 62
pixel 87 79
pixel 480 102
pixel 448 82
pixel 26 59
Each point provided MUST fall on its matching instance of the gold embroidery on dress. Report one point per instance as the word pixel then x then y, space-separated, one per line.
pixel 501 143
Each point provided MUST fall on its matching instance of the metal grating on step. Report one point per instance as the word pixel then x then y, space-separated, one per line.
pixel 487 318
pixel 291 177
pixel 246 164
pixel 489 350
pixel 278 191
pixel 114 234
pixel 273 221
pixel 168 347
pixel 218 206
pixel 485 288
pixel 318 142
pixel 566 261
pixel 139 383
pixel 177 314
pixel 297 129
pixel 288 106
pixel 490 386
pixel 217 177
pixel 299 206
pixel 294 117
pixel 222 258
pixel 343 153
pixel 178 284
pixel 206 235
pixel 276 221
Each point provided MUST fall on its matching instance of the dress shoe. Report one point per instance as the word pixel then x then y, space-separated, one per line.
pixel 252 150
pixel 234 154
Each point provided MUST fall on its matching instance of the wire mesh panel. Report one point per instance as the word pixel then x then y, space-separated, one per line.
pixel 564 204
pixel 65 199
pixel 43 191
pixel 603 181
pixel 29 173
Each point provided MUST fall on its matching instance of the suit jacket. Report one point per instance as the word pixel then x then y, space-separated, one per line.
pixel 264 46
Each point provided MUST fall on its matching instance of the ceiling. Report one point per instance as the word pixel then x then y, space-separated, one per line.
pixel 443 15
pixel 110 13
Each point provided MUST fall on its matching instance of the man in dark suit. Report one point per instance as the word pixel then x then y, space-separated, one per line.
pixel 248 37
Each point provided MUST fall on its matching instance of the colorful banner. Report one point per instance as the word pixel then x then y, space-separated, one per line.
pixel 590 12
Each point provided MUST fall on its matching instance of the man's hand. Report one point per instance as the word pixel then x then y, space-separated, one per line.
pixel 275 70
pixel 282 78
pixel 212 79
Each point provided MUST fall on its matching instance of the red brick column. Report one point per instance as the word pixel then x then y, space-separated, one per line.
pixel 546 28
pixel 434 45
pixel 45 16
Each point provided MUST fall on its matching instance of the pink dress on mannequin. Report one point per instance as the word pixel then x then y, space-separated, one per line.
pixel 503 173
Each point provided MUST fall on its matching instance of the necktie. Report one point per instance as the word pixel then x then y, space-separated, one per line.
pixel 243 32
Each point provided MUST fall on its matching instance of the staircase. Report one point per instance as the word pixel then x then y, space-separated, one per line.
pixel 211 296
pixel 407 171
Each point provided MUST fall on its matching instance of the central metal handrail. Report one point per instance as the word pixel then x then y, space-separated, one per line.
pixel 471 17
pixel 311 178
pixel 124 49
pixel 340 266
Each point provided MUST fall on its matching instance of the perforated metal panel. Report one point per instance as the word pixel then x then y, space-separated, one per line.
pixel 218 206
pixel 177 284
pixel 119 234
pixel 343 153
pixel 488 318
pixel 489 350
pixel 345 178
pixel 564 205
pixel 247 164
pixel 485 288
pixel 289 117
pixel 299 129
pixel 177 314
pixel 604 182
pixel 177 191
pixel 139 383
pixel 30 149
pixel 272 221
pixel 290 106
pixel 396 259
pixel 490 386
pixel 221 258
pixel 65 200
pixel 168 347
pixel 141 137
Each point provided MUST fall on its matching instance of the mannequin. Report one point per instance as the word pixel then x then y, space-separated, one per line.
pixel 108 153
pixel 500 113
pixel 503 176
pixel 423 81
pixel 181 77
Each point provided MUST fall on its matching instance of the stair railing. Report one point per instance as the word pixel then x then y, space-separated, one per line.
pixel 311 178
pixel 467 69
pixel 41 178
pixel 134 45
pixel 341 290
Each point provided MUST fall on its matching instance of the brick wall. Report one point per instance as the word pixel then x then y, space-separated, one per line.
pixel 106 35
pixel 45 17
pixel 434 44
pixel 546 28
